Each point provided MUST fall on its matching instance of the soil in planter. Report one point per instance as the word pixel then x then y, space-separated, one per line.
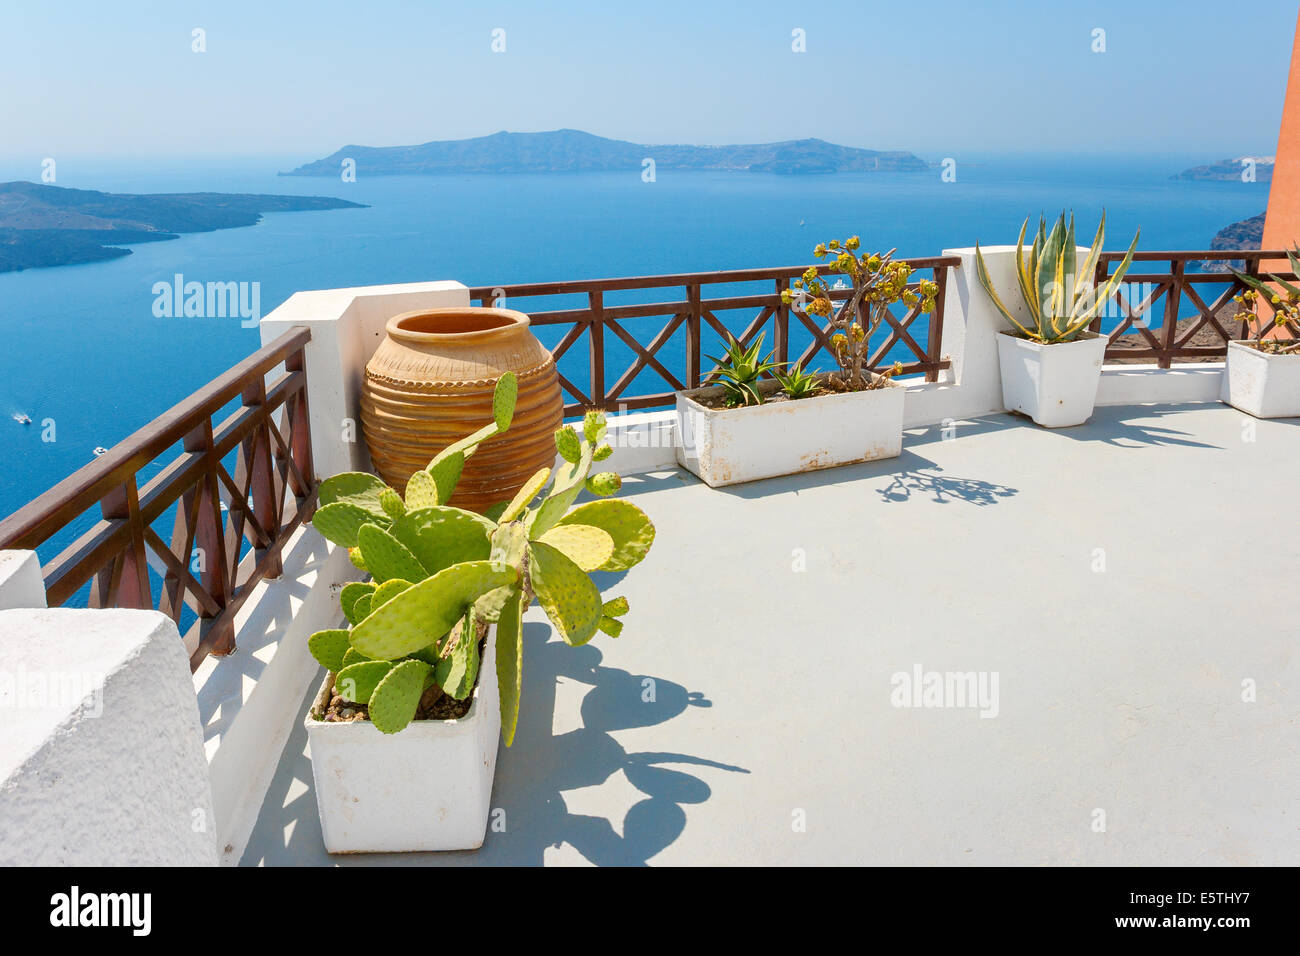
pixel 434 705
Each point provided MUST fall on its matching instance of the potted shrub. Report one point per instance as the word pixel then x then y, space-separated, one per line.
pixel 427 674
pixel 758 421
pixel 1262 375
pixel 1051 364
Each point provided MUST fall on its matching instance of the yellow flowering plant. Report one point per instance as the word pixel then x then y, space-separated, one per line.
pixel 879 281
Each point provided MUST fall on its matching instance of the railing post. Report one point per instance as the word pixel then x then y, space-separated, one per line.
pixel 694 316
pixel 1172 297
pixel 261 476
pixel 596 341
pixel 298 422
pixel 128 582
pixel 936 324
pixel 781 322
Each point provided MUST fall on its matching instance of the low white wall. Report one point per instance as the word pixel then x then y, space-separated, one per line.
pixel 21 584
pixel 249 701
pixel 101 758
pixel 347 326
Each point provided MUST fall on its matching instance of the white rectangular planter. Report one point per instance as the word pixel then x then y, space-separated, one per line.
pixel 1260 384
pixel 426 787
pixel 726 446
pixel 1055 385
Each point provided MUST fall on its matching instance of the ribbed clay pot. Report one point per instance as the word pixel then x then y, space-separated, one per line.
pixel 430 383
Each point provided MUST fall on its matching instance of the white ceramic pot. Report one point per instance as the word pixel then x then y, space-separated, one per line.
pixel 1262 384
pixel 726 446
pixel 426 787
pixel 1055 385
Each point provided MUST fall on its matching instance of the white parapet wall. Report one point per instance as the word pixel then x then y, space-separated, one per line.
pixel 347 326
pixel 101 758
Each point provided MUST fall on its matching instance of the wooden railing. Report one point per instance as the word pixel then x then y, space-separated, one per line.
pixel 1161 314
pixel 693 314
pixel 212 561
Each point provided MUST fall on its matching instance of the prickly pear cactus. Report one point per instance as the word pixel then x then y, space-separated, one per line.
pixel 441 575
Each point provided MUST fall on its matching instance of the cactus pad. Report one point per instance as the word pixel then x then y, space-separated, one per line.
pixel 503 400
pixel 387 591
pixel 593 426
pixel 350 656
pixel 361 609
pixel 392 504
pixel 605 484
pixel 439 537
pixel 526 494
pixel 421 491
pixel 568 596
pixel 611 626
pixel 406 623
pixel 339 522
pixel 632 531
pixel 349 595
pixel 616 607
pixel 602 452
pixel 457 674
pixel 510 665
pixel 568 444
pixel 354 555
pixel 394 700
pixel 386 557
pixel 445 472
pixel 328 647
pixel 585 546
pixel 356 682
pixel 356 488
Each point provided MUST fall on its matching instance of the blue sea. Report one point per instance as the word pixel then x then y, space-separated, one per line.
pixel 83 348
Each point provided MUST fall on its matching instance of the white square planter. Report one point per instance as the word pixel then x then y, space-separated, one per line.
pixel 1055 385
pixel 726 446
pixel 1260 384
pixel 426 787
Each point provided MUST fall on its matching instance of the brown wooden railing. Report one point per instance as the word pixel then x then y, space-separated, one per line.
pixel 205 566
pixel 691 313
pixel 1198 333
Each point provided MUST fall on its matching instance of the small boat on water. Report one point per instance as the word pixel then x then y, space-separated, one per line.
pixel 22 419
pixel 100 450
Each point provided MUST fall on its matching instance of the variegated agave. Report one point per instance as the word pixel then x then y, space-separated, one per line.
pixel 1058 291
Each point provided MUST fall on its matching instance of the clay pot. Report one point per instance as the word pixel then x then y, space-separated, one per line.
pixel 430 384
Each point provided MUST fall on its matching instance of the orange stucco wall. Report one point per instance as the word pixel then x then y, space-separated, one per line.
pixel 1282 221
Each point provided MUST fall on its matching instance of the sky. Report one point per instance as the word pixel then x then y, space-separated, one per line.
pixel 123 79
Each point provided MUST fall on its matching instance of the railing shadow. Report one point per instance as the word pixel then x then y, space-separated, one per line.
pixel 1115 425
pixel 533 776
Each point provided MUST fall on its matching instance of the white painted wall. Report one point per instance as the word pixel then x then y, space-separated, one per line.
pixel 21 584
pixel 347 326
pixel 101 759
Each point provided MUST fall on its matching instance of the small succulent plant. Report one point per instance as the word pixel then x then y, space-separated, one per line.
pixel 440 576
pixel 796 383
pixel 1284 301
pixel 1058 291
pixel 879 280
pixel 739 372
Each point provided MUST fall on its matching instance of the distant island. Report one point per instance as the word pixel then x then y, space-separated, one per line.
pixel 1247 234
pixel 43 225
pixel 571 150
pixel 1230 170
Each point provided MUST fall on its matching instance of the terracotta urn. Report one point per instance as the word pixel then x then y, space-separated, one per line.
pixel 430 384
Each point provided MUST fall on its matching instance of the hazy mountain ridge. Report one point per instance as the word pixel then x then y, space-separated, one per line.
pixel 1230 170
pixel 43 225
pixel 569 150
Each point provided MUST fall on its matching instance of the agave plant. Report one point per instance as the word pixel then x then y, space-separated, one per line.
pixel 740 371
pixel 1285 302
pixel 1058 291
pixel 442 575
pixel 797 383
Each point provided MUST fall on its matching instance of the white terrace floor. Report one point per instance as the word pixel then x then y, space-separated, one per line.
pixel 1120 690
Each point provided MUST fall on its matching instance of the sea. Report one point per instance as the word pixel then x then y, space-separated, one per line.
pixel 87 358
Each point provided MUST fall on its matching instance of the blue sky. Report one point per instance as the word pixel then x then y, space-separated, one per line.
pixel 291 78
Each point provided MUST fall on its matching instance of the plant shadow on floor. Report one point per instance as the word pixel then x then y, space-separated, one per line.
pixel 942 489
pixel 529 810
